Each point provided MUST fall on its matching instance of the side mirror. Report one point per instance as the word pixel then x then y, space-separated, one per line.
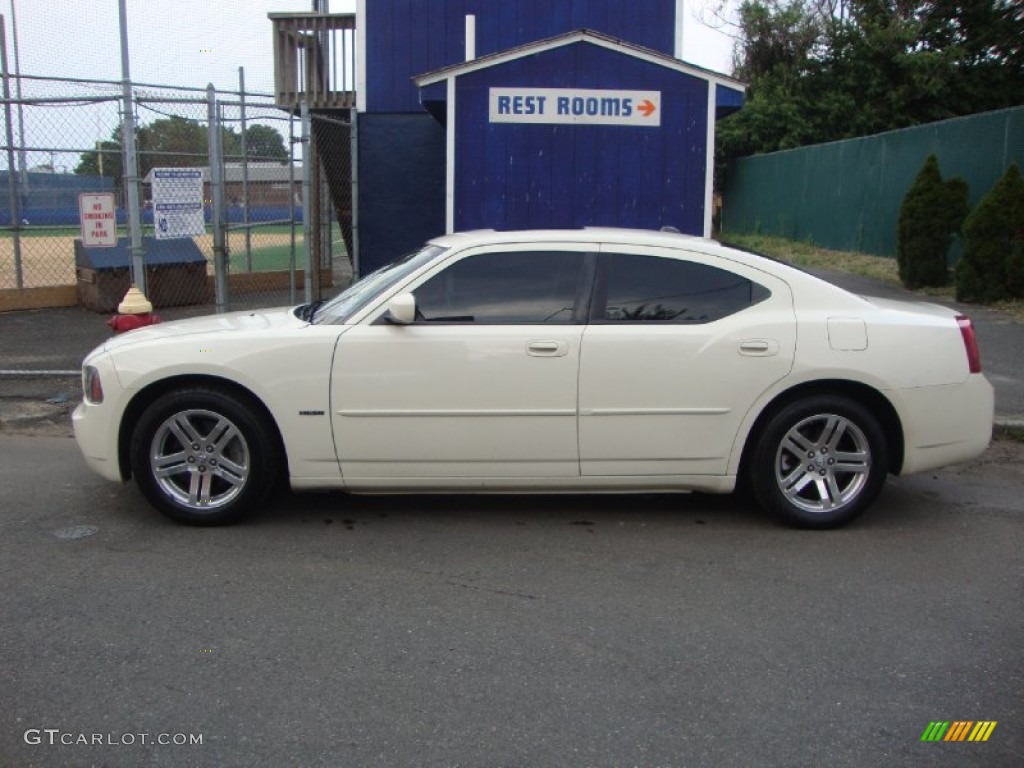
pixel 401 309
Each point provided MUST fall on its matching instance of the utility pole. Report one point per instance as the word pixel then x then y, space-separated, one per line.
pixel 220 251
pixel 307 202
pixel 131 163
pixel 12 192
pixel 245 174
pixel 22 170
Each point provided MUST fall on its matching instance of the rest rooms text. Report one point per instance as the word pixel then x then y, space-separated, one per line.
pixel 608 106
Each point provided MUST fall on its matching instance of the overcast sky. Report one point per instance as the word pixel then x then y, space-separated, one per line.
pixel 179 43
pixel 194 42
pixel 183 42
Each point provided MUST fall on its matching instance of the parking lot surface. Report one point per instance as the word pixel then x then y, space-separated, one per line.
pixel 507 631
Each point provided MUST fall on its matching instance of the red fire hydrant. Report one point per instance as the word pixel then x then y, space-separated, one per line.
pixel 134 311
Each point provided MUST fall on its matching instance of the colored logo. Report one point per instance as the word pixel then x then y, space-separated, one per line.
pixel 958 730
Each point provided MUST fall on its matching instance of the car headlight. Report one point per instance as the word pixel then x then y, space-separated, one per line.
pixel 92 387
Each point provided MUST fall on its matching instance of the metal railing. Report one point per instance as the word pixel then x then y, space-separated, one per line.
pixel 314 60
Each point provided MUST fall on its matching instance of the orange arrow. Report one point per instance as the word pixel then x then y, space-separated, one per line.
pixel 646 108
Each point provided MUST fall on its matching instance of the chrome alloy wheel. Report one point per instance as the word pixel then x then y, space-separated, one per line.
pixel 200 459
pixel 823 463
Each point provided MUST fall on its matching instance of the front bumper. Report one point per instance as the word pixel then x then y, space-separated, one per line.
pixel 96 436
pixel 96 424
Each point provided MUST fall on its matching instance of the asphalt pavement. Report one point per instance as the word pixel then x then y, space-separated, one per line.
pixel 569 631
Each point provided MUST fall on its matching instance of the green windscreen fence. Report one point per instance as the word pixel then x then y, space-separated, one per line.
pixel 846 195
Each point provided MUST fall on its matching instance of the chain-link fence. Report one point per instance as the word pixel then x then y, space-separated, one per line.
pixel 71 145
pixel 47 133
pixel 223 190
pixel 332 209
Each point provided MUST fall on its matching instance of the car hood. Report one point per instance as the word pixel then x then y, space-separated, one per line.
pixel 248 321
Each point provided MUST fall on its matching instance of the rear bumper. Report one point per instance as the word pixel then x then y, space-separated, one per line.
pixel 945 425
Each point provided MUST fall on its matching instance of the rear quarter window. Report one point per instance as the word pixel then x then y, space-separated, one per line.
pixel 634 288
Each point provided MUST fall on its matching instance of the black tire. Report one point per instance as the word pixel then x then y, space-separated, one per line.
pixel 226 467
pixel 819 462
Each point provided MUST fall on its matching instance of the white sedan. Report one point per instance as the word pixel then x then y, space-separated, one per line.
pixel 547 361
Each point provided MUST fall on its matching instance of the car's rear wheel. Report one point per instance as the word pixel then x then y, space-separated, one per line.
pixel 203 456
pixel 819 462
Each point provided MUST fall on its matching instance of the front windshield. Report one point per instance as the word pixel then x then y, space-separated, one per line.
pixel 360 293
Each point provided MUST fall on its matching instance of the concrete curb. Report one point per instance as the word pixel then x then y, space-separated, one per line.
pixel 45 414
pixel 1008 425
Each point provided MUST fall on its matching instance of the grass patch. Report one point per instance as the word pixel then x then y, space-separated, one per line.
pixel 29 231
pixel 147 230
pixel 271 245
pixel 266 259
pixel 807 255
pixel 1008 432
pixel 271 248
pixel 804 254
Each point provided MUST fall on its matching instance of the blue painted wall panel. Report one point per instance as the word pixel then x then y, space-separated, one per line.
pixel 405 38
pixel 401 185
pixel 520 176
pixel 562 140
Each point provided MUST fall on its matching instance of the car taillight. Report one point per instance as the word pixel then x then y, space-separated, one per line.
pixel 970 343
pixel 91 385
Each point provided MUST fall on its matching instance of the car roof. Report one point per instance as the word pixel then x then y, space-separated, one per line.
pixel 607 235
pixel 580 235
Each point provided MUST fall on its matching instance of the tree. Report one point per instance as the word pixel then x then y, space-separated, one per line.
pixel 992 267
pixel 981 41
pixel 931 214
pixel 175 142
pixel 264 143
pixel 821 70
pixel 105 160
pixel 774 54
pixel 170 142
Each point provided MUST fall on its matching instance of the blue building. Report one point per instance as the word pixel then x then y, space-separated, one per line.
pixel 526 113
pixel 577 130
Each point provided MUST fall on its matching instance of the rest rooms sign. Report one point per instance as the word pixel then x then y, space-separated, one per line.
pixel 575 106
pixel 178 203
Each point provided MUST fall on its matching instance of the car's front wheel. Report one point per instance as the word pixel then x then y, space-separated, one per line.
pixel 203 456
pixel 819 462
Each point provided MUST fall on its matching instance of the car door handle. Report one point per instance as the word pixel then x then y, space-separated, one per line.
pixel 759 347
pixel 547 348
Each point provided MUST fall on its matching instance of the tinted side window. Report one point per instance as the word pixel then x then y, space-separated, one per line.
pixel 654 289
pixel 503 288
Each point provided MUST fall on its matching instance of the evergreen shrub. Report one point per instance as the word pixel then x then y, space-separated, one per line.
pixel 930 215
pixel 992 267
